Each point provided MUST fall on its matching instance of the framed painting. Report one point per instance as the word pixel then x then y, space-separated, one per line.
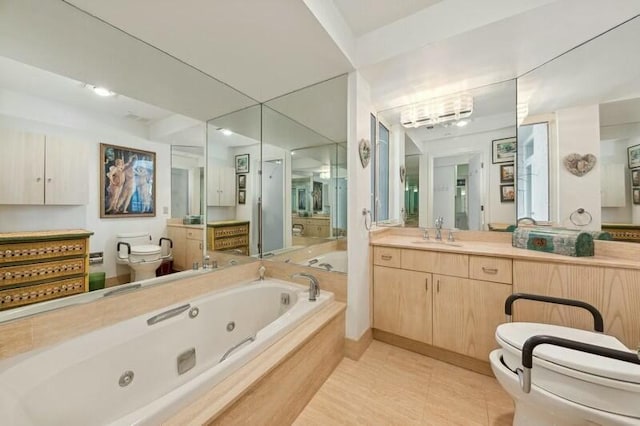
pixel 242 163
pixel 633 156
pixel 506 173
pixel 635 177
pixel 302 196
pixel 127 182
pixel 636 195
pixel 507 193
pixel 242 181
pixel 504 150
pixel 242 196
pixel 317 196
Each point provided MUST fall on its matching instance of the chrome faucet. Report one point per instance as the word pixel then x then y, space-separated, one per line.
pixel 439 222
pixel 314 285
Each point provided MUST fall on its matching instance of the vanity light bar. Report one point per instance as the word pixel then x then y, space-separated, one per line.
pixel 438 110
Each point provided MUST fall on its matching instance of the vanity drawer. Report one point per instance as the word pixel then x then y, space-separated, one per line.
pixel 494 269
pixel 194 234
pixel 452 264
pixel 230 231
pixel 385 256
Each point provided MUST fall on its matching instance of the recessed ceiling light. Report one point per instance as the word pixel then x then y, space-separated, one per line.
pixel 226 132
pixel 293 153
pixel 462 123
pixel 102 91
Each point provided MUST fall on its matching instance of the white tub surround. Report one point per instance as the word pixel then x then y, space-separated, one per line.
pixel 143 370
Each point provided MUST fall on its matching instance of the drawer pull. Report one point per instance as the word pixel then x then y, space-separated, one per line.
pixel 438 286
pixel 426 284
pixel 386 257
pixel 492 271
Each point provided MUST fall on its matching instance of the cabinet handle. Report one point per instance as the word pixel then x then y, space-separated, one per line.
pixel 426 284
pixel 386 257
pixel 489 270
pixel 438 286
pixel 38 179
pixel 49 179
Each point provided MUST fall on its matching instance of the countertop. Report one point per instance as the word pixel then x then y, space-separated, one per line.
pixel 182 225
pixel 502 249
pixel 227 223
pixel 10 237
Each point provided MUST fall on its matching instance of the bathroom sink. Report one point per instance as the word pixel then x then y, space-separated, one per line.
pixel 437 243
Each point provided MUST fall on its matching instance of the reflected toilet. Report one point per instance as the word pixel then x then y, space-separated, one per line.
pixel 143 257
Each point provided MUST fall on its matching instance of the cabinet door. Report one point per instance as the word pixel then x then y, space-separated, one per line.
pixel 466 314
pixel 67 171
pixel 402 303
pixel 227 186
pixel 213 187
pixel 21 167
pixel 194 252
pixel 178 236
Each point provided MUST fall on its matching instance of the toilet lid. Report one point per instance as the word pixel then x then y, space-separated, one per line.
pixel 145 249
pixel 516 333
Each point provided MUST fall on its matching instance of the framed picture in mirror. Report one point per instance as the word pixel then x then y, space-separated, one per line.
pixel 507 193
pixel 242 163
pixel 242 181
pixel 127 184
pixel 504 150
pixel 633 156
pixel 302 199
pixel 317 196
pixel 636 195
pixel 242 196
pixel 635 177
pixel 506 173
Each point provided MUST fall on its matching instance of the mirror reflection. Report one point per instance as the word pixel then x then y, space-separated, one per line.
pixel 60 92
pixel 304 176
pixel 579 119
pixel 450 157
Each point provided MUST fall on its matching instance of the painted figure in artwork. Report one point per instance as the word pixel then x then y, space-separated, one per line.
pixel 129 186
pixel 143 183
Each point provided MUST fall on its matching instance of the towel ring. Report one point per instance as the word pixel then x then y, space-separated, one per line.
pixel 580 216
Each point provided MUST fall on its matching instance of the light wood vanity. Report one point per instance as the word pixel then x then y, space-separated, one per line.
pixel 446 300
pixel 188 243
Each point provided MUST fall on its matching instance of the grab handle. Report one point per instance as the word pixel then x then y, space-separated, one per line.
pixel 167 314
pixel 165 239
pixel 598 322
pixel 234 347
pixel 122 290
pixel 524 374
pixel 367 213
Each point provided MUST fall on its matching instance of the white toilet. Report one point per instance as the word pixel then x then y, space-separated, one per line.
pixel 143 257
pixel 568 387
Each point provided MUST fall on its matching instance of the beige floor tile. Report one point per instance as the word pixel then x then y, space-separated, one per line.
pixel 392 386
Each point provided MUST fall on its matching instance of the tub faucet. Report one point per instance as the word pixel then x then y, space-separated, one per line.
pixel 314 285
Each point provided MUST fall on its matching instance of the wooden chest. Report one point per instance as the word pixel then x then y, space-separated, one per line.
pixel 42 265
pixel 229 235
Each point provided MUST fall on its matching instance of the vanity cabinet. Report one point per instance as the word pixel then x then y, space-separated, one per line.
pixel 187 245
pixel 435 298
pixel 615 292
pixel 40 266
pixel 39 170
pixel 313 226
pixel 221 189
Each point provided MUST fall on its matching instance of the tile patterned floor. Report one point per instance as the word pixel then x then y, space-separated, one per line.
pixel 392 386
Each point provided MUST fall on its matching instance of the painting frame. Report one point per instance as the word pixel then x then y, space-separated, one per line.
pixel 302 199
pixel 504 150
pixel 242 196
pixel 635 177
pixel 507 173
pixel 633 156
pixel 242 181
pixel 242 163
pixel 317 197
pixel 127 182
pixel 635 195
pixel 507 193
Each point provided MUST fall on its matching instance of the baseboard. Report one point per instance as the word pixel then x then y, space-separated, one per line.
pixel 117 280
pixel 464 361
pixel 354 349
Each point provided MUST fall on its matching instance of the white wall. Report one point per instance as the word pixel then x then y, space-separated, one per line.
pixel 359 107
pixel 578 132
pixel 494 209
pixel 29 113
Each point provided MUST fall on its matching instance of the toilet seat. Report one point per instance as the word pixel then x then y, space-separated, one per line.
pixel 593 381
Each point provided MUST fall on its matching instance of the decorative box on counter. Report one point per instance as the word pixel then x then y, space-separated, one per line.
pixel 568 242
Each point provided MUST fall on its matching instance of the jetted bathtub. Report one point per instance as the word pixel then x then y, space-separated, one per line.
pixel 141 371
pixel 331 261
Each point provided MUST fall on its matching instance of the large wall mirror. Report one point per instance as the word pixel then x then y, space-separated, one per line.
pixel 450 157
pixel 158 104
pixel 304 174
pixel 579 135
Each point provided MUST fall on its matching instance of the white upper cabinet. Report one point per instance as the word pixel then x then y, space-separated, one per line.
pixel 39 169
pixel 222 187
